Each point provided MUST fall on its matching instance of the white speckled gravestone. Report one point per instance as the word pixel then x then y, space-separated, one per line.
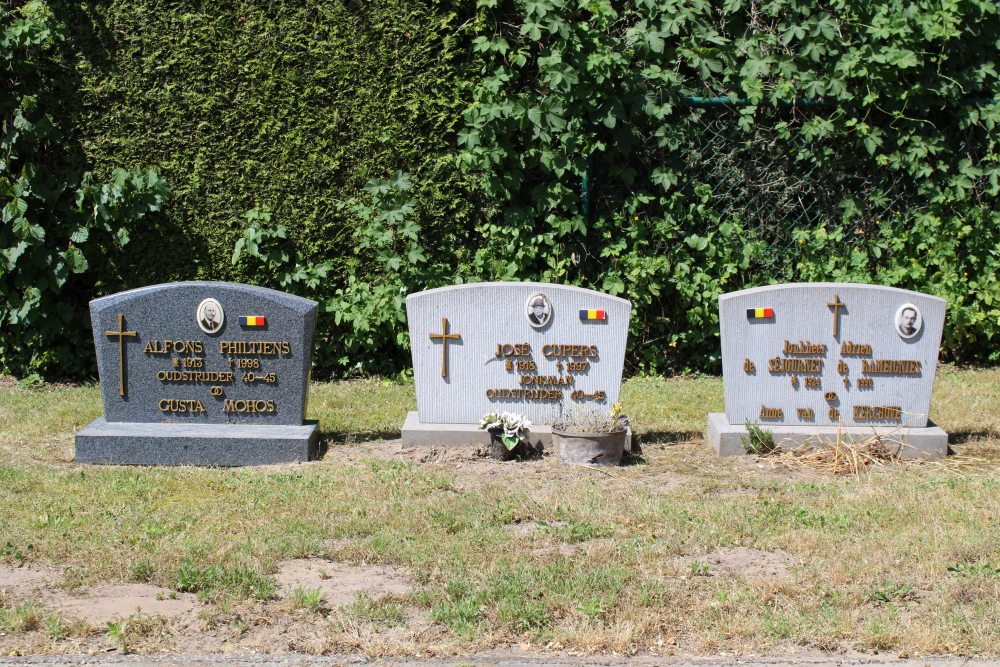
pixel 531 348
pixel 201 373
pixel 814 360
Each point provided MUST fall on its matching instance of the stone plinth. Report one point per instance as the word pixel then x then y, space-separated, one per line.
pixel 930 442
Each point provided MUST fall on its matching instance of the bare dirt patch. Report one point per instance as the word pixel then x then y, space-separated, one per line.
pixel 743 562
pixel 23 582
pixel 341 583
pixel 96 605
pixel 106 603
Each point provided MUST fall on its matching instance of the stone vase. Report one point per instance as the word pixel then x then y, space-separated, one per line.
pixel 594 449
pixel 499 451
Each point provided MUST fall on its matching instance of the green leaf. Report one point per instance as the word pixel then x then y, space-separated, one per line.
pixel 75 261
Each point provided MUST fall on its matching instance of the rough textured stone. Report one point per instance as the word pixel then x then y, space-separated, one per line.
pixel 836 393
pixel 930 442
pixel 170 370
pixel 482 316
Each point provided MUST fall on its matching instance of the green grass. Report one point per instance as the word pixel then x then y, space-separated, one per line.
pixel 897 561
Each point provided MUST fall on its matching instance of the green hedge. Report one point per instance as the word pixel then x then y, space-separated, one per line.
pixel 287 105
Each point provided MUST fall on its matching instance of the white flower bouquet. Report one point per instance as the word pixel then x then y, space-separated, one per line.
pixel 511 428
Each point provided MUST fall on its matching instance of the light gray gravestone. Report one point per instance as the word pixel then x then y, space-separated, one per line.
pixel 537 349
pixel 818 361
pixel 201 373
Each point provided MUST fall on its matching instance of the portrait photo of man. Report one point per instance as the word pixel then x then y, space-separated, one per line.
pixel 210 316
pixel 539 310
pixel 908 320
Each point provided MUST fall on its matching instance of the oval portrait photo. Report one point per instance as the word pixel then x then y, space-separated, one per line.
pixel 908 320
pixel 538 309
pixel 210 316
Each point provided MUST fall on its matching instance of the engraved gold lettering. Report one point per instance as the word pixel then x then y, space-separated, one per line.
pixel 878 412
pixel 795 365
pixel 267 348
pixel 214 377
pixel 526 394
pixel 891 367
pixel 569 350
pixel 248 406
pixel 850 348
pixel 771 413
pixel 509 350
pixel 180 405
pixel 804 347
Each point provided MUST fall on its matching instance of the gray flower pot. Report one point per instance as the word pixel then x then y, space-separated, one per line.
pixel 594 449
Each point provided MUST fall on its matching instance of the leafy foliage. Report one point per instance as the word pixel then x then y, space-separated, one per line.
pixel 585 124
pixel 51 217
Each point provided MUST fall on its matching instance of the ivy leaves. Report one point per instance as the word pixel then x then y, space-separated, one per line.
pixel 583 125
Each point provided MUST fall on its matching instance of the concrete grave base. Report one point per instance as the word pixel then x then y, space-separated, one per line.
pixel 419 434
pixel 225 445
pixel 930 442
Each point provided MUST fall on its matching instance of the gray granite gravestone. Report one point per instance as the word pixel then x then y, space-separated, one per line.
pixel 202 373
pixel 532 348
pixel 818 361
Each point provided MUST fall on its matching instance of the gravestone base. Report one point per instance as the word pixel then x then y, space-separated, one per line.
pixel 930 442
pixel 419 434
pixel 224 445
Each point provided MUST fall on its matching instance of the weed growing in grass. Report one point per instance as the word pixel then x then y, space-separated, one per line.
pixel 118 633
pixel 142 571
pixel 386 612
pixel 975 569
pixel 54 628
pixel 574 532
pixel 462 616
pixel 892 593
pixel 758 441
pixel 307 599
pixel 592 608
pixel 53 521
pixel 211 582
pixel 18 552
pixel 460 611
pixel 23 618
pixel 700 569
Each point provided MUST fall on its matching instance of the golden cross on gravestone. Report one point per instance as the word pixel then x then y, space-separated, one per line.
pixel 836 305
pixel 121 334
pixel 444 337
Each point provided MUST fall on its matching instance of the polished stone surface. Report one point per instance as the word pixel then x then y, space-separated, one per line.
pixel 225 445
pixel 206 373
pixel 168 313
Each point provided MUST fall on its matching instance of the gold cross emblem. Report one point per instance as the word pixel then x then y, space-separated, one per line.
pixel 121 334
pixel 444 337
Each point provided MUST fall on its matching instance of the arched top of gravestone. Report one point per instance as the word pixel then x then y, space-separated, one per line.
pixel 203 352
pixel 583 291
pixel 295 303
pixel 813 286
pixel 827 354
